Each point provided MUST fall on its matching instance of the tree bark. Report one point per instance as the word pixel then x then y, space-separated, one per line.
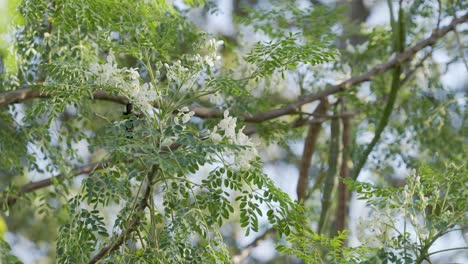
pixel 309 147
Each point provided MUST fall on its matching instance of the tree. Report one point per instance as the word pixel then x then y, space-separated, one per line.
pixel 149 134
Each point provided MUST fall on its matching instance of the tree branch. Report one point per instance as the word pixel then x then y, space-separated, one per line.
pixel 21 95
pixel 245 252
pixel 342 207
pixel 25 94
pixel 133 224
pixel 345 85
pixel 309 147
pixel 33 186
pixel 86 169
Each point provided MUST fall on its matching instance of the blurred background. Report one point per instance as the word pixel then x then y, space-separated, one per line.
pixel 32 234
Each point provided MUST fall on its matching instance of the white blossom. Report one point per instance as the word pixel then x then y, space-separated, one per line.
pixel 216 98
pixel 126 79
pixel 228 124
pixel 359 48
pixel 242 158
pixel 144 94
pixel 215 137
pixel 134 75
pixel 176 72
pixel 184 114
pixel 212 53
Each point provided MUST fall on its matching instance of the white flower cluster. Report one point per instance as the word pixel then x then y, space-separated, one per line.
pixel 376 228
pixel 184 114
pixel 176 73
pixel 227 126
pixel 358 48
pixel 216 98
pixel 417 217
pixel 212 53
pixel 411 204
pixel 126 79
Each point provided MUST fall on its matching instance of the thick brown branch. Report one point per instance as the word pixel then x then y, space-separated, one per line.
pixel 22 95
pixel 26 94
pixel 33 186
pixel 342 207
pixel 309 147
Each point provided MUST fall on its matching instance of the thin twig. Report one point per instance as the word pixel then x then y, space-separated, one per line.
pixel 245 252
pixel 445 250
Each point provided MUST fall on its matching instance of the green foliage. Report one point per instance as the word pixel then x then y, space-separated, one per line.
pixel 276 22
pixel 286 54
pixel 426 203
pixel 160 185
pixel 315 248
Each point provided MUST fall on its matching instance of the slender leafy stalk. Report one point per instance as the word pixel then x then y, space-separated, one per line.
pixel 398 31
pixel 329 184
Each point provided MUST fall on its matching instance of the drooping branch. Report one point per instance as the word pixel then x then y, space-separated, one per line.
pixel 86 169
pixel 22 95
pixel 309 147
pixel 34 186
pixel 114 245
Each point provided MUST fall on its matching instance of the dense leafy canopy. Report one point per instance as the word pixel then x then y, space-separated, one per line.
pixel 130 135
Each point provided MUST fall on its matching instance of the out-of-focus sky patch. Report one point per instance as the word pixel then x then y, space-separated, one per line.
pixel 264 251
pixel 26 250
pixel 456 76
pixel 284 175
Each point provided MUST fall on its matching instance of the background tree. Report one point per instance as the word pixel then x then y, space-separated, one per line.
pixel 130 134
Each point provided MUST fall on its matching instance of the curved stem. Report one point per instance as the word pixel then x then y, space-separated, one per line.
pixel 399 35
pixel 445 250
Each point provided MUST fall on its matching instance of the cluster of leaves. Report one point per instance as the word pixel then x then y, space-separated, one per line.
pixel 191 209
pixel 426 206
pixel 315 248
pixel 277 21
pixel 286 54
pixel 426 203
